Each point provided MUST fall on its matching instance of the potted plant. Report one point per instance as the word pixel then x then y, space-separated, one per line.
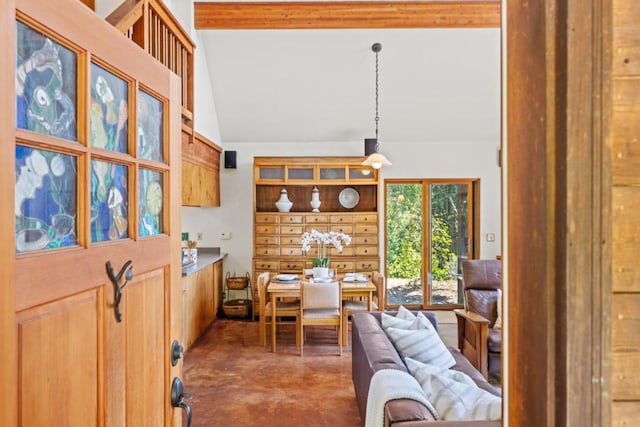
pixel 321 262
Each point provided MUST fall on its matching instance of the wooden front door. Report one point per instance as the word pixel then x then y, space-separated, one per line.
pixel 95 135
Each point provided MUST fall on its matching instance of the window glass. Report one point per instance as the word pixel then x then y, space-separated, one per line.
pixel 150 202
pixel 45 199
pixel 46 86
pixel 108 110
pixel 109 201
pixel 150 137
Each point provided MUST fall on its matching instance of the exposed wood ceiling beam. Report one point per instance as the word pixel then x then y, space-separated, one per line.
pixel 347 15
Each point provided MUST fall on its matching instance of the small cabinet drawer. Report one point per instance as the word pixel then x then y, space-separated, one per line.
pixel 266 265
pixel 266 229
pixel 266 219
pixel 366 228
pixel 291 251
pixel 267 251
pixel 341 219
pixel 292 266
pixel 291 219
pixel 267 240
pixel 366 250
pixel 369 218
pixel 367 265
pixel 342 266
pixel 346 251
pixel 317 219
pixel 291 229
pixel 323 228
pixel 290 240
pixel 365 240
pixel 346 228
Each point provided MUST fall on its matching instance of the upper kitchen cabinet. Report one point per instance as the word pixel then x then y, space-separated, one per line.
pixel 200 172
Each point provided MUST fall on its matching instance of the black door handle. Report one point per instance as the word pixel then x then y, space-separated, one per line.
pixel 177 398
pixel 127 271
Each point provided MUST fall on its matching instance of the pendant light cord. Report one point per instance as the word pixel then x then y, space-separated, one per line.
pixel 376 48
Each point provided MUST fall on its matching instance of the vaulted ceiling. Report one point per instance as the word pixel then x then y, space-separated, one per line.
pixel 305 71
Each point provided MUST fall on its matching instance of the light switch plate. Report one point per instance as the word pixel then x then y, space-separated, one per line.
pixel 226 235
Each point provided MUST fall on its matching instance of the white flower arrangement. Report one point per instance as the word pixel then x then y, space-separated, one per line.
pixel 323 239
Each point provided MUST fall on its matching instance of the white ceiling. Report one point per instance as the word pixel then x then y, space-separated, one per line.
pixel 319 85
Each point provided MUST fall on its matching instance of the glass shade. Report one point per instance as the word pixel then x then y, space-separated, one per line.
pixel 376 161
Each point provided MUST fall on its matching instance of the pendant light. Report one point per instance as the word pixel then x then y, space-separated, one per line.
pixel 371 145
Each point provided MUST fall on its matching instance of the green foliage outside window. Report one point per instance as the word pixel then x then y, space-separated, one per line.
pixel 404 230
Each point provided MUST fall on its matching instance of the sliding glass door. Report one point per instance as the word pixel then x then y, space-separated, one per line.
pixel 429 233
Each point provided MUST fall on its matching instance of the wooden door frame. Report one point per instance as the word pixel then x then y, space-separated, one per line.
pixel 558 347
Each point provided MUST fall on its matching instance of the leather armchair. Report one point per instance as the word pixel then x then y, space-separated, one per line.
pixel 478 340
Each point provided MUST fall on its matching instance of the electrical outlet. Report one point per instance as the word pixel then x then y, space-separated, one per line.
pixel 226 235
pixel 199 236
pixel 491 237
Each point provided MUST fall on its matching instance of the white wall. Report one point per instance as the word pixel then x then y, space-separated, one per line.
pixel 410 160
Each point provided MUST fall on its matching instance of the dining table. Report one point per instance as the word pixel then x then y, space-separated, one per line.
pixel 291 289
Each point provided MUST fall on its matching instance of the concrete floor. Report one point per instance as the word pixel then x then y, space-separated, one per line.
pixel 236 382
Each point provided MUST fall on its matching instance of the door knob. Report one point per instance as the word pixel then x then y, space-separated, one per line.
pixel 177 351
pixel 177 398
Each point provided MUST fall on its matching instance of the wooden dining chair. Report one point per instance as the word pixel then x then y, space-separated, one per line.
pixel 320 304
pixel 350 306
pixel 283 309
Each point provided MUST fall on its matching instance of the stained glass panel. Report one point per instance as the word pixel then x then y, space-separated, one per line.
pixel 149 118
pixel 108 112
pixel 45 199
pixel 46 86
pixel 109 201
pixel 150 203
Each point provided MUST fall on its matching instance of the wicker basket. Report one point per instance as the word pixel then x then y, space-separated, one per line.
pixel 237 308
pixel 237 283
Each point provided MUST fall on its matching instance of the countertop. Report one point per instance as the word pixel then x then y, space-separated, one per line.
pixel 206 256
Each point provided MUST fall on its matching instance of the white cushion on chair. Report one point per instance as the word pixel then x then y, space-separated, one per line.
pixel 321 295
pixel 320 313
pixel 282 305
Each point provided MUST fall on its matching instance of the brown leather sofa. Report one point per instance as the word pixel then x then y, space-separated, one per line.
pixel 478 340
pixel 372 351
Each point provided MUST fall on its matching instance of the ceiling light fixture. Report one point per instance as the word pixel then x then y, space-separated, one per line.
pixel 371 145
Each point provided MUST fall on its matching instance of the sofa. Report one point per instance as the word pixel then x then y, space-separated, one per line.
pixel 373 351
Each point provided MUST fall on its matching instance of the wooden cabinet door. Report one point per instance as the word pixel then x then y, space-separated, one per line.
pixel 82 204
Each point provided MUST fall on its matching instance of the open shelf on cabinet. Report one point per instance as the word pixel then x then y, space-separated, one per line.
pixel 300 195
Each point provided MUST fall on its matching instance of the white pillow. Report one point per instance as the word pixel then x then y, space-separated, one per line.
pixel 423 345
pixel 404 313
pixel 418 322
pixel 498 323
pixel 421 372
pixel 461 402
